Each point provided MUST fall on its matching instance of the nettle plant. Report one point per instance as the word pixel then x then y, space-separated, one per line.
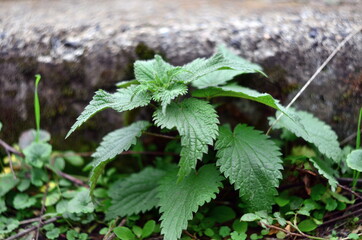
pixel 245 157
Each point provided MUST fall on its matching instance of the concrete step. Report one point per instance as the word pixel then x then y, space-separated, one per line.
pixel 80 46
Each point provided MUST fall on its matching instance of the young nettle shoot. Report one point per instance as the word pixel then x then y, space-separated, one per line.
pixel 245 157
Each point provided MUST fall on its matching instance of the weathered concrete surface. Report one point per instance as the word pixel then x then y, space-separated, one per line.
pixel 80 46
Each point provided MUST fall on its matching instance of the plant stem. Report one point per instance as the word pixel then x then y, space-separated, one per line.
pixel 113 235
pixel 37 108
pixel 358 145
pixel 160 135
pixel 31 220
pixel 147 153
pixel 358 137
pixel 294 225
pixel 283 230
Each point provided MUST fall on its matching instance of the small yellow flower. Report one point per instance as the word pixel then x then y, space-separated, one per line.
pixel 6 170
pixel 51 185
pixel 14 159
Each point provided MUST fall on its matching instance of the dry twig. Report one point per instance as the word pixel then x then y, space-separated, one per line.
pixel 335 51
pixel 31 220
pixel 9 148
pixel 350 190
pixel 338 219
pixel 42 210
pixel 283 230
pixel 29 230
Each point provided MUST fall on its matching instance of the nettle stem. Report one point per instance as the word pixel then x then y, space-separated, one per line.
pixel 160 135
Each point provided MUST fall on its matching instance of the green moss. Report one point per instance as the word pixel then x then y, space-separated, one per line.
pixel 337 118
pixel 143 52
pixel 289 88
pixel 277 74
pixel 128 70
pixel 67 91
pixel 11 93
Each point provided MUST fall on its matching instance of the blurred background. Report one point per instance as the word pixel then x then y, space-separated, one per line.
pixel 81 46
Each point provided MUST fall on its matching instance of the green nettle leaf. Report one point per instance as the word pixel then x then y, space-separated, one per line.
pixel 251 161
pixel 179 200
pixel 146 70
pixel 135 194
pixel 326 171
pixel 239 92
pixel 166 82
pixel 165 96
pixel 354 160
pixel 221 77
pixel 161 79
pixel 113 144
pixel 201 67
pixel 215 79
pixel 251 94
pixel 124 84
pixel 155 73
pixel 123 100
pixel 22 201
pixel 314 131
pixel 197 123
pixel 1 126
pixel 81 203
pixel 37 153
